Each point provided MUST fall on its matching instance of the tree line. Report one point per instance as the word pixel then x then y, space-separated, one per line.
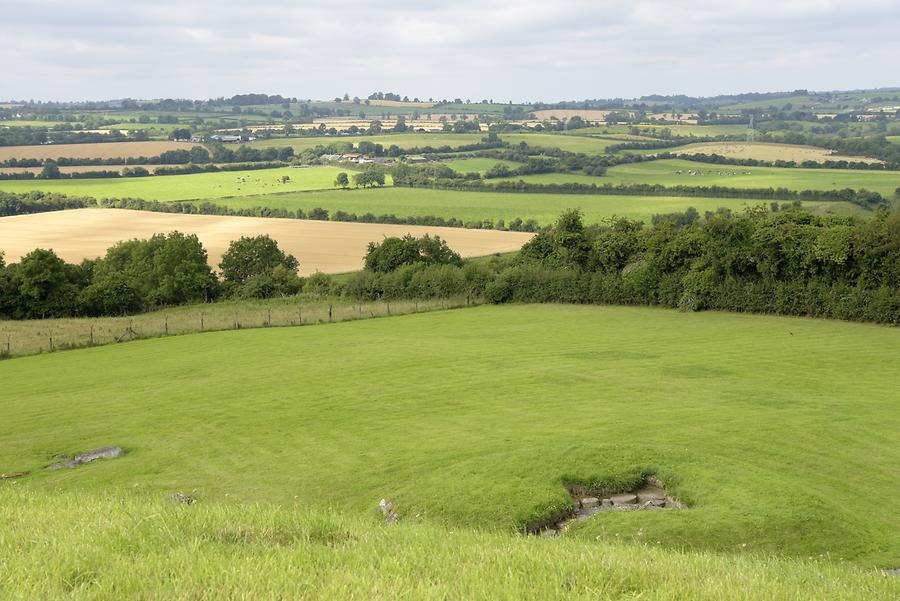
pixel 140 275
pixel 787 262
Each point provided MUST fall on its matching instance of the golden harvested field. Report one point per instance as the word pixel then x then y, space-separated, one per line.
pixel 105 150
pixel 766 151
pixel 326 246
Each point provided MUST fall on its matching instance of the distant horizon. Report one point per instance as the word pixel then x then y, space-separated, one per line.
pixel 514 50
pixel 327 98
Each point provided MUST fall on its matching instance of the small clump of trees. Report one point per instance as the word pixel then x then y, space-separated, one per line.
pixel 139 275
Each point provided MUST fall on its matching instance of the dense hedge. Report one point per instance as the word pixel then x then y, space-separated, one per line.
pixel 862 198
pixel 788 262
pixel 40 202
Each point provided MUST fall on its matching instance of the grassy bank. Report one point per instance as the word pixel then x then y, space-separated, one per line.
pixel 94 546
pixel 778 433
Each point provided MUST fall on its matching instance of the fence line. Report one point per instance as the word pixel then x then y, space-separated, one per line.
pixel 20 338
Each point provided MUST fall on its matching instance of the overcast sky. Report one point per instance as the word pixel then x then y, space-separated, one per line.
pixel 524 50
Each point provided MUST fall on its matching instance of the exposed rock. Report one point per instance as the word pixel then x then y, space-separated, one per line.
pixel 180 497
pixel 891 572
pixel 88 457
pixel 387 509
pixel 651 493
pixel 628 499
pixel 11 475
pixel 104 453
pixel 651 496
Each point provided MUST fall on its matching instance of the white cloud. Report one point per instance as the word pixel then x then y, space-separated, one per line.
pixel 489 48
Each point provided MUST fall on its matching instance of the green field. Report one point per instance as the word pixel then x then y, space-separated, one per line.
pixel 186 187
pixel 779 433
pixel 894 139
pixel 665 172
pixel 700 131
pixel 472 206
pixel 477 165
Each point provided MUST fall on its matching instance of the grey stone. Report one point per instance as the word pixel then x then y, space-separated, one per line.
pixel 606 503
pixel 104 453
pixel 180 497
pixel 891 572
pixel 590 502
pixel 651 493
pixel 88 457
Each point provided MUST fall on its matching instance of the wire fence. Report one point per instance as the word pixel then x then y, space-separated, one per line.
pixel 30 337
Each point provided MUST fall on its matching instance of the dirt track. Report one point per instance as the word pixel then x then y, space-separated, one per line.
pixel 326 246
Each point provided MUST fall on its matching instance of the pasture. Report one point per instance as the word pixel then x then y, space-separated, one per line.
pixel 666 173
pixel 778 433
pixel 103 150
pixel 474 206
pixel 326 246
pixel 212 185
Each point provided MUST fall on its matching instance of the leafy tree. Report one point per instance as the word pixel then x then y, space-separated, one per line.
pixel 181 134
pixel 113 293
pixel 50 171
pixel 251 256
pixel 394 252
pixel 276 282
pixel 44 285
pixel 342 181
pixel 369 178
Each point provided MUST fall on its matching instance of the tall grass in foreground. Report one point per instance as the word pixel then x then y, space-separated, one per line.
pixel 31 337
pixel 121 546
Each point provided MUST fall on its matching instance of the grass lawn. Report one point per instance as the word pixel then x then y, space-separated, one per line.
pixel 186 187
pixel 471 206
pixel 894 139
pixel 779 433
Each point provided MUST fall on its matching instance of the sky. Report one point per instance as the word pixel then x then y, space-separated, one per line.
pixel 520 50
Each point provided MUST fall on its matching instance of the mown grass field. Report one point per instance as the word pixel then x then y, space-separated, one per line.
pixel 472 206
pixel 779 433
pixel 126 546
pixel 187 187
pixel 894 139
